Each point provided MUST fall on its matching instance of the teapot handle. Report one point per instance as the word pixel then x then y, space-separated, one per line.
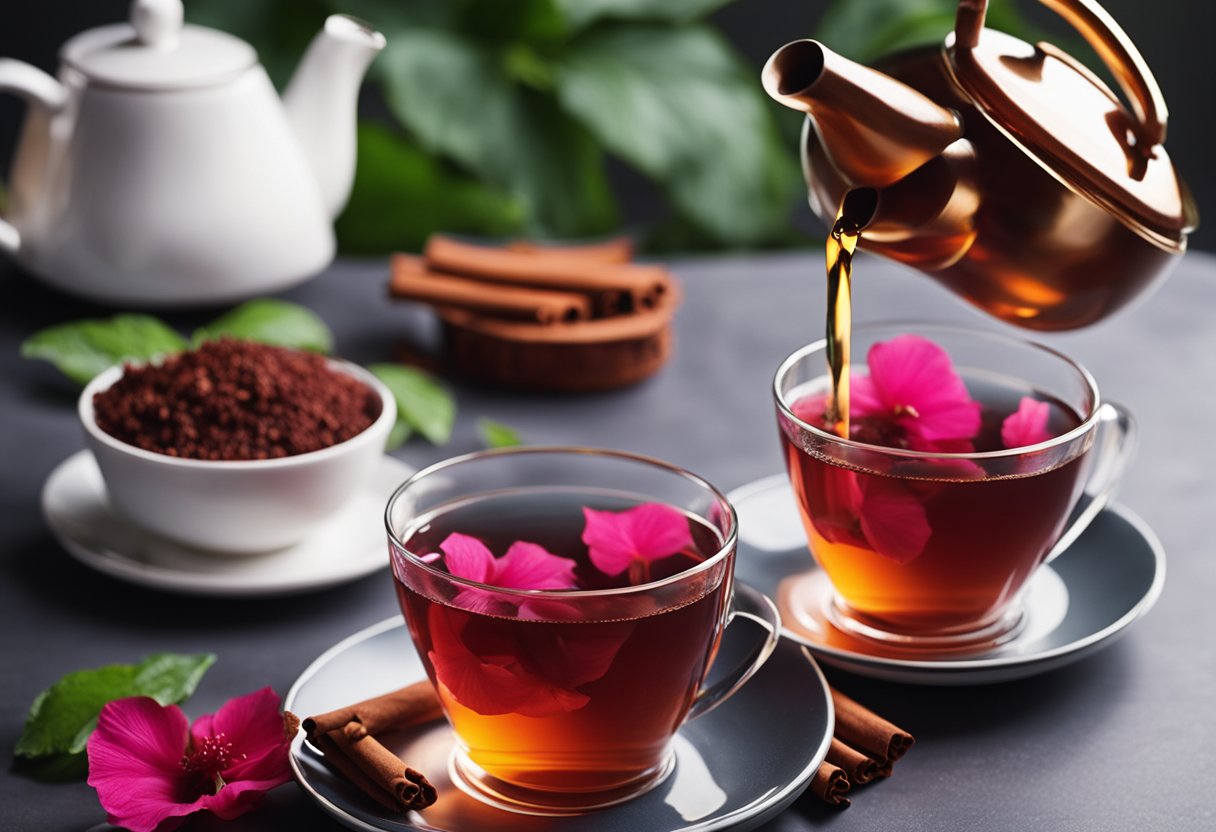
pixel 39 90
pixel 1111 43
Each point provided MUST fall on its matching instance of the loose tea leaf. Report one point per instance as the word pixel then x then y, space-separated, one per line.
pixel 272 321
pixel 422 403
pixel 82 349
pixel 64 715
pixel 497 435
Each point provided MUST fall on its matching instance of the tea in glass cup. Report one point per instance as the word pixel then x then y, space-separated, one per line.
pixel 966 455
pixel 567 605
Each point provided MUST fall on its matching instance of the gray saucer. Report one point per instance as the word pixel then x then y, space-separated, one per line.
pixel 1079 604
pixel 736 767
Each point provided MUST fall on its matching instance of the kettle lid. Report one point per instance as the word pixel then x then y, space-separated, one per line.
pixel 1070 122
pixel 155 51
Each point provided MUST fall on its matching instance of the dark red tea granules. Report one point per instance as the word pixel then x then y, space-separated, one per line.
pixel 231 400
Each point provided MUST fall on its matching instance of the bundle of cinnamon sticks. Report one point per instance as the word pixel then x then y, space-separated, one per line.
pixel 554 317
pixel 865 747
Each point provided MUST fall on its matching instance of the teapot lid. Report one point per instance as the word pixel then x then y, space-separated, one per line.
pixel 155 51
pixel 1070 122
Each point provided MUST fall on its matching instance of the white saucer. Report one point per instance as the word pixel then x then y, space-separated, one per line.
pixel 348 546
pixel 737 766
pixel 1108 578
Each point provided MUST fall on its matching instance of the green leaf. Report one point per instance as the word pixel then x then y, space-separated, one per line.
pixel 581 13
pixel 272 321
pixel 82 349
pixel 497 435
pixel 461 100
pixel 398 435
pixel 422 403
pixel 402 196
pixel 679 105
pixel 64 715
pixel 867 31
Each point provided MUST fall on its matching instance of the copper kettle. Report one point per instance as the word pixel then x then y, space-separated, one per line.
pixel 1006 171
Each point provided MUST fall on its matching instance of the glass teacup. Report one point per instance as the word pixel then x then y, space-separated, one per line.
pixel 566 700
pixel 929 540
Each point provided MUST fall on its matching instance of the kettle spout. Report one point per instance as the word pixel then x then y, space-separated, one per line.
pixel 322 99
pixel 875 130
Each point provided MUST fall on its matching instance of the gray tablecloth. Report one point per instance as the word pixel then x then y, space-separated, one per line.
pixel 1123 740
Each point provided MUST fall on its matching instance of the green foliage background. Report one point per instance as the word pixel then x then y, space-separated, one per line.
pixel 505 113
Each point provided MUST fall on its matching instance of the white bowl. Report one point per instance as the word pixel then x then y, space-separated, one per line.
pixel 240 506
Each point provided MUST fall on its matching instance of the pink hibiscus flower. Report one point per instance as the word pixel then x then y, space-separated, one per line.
pixel 632 539
pixel 913 384
pixel 1027 425
pixel 151 769
pixel 533 671
pixel 524 566
pixel 877 513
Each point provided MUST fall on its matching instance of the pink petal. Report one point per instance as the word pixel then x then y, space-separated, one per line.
pixel 810 409
pixel 609 542
pixel 864 399
pixel 135 763
pixel 530 566
pixel 892 519
pixel 467 557
pixel 658 530
pixel 482 601
pixel 913 373
pixel 488 685
pixel 235 799
pixel 1027 425
pixel 647 532
pixel 254 726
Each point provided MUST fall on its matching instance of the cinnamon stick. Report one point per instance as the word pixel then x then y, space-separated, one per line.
pixel 412 280
pixel 869 733
pixel 613 287
pixel 410 789
pixel 336 759
pixel 616 250
pixel 393 711
pixel 830 784
pixel 857 766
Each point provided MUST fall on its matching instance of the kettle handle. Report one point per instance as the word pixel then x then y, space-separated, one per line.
pixel 1111 43
pixel 39 90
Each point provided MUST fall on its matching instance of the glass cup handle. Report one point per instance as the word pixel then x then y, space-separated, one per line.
pixel 1115 443
pixel 756 607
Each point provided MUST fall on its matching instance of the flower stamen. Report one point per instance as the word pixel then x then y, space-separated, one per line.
pixel 210 758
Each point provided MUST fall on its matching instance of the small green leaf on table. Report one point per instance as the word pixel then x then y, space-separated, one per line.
pixel 497 435
pixel 272 321
pixel 422 402
pixel 82 349
pixel 59 723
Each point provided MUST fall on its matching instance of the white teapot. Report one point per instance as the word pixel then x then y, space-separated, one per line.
pixel 162 169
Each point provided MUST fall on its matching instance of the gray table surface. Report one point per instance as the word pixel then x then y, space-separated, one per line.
pixel 1123 740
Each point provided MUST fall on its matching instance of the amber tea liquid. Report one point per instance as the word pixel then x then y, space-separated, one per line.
pixel 930 546
pixel 555 698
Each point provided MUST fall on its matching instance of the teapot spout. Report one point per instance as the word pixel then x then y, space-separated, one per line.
pixel 322 99
pixel 875 130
